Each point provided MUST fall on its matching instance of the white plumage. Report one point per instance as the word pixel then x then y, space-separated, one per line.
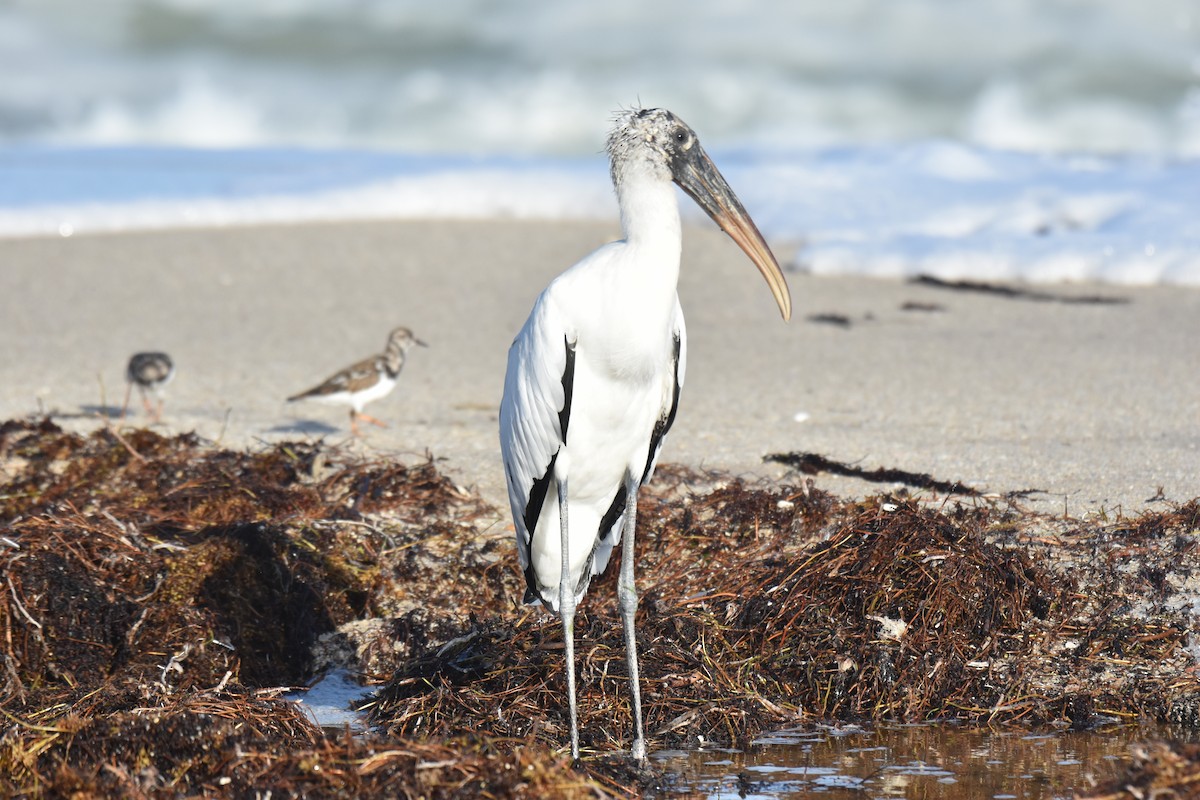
pixel 594 377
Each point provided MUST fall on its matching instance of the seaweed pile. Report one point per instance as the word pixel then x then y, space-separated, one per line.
pixel 1159 770
pixel 161 593
pixel 764 605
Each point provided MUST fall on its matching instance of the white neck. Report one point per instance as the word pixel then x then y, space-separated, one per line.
pixel 650 220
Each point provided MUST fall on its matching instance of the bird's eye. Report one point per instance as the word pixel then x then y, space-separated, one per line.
pixel 680 136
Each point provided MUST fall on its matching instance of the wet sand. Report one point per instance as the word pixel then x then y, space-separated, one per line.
pixel 1093 406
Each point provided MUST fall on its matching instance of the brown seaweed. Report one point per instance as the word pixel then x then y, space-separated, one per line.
pixel 160 593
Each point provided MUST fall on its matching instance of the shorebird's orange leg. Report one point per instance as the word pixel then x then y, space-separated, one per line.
pixel 372 420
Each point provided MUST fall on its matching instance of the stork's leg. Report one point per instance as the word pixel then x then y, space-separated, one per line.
pixel 566 596
pixel 628 601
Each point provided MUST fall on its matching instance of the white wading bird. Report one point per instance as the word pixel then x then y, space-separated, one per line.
pixel 594 377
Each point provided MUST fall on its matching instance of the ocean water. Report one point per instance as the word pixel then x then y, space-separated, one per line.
pixel 987 139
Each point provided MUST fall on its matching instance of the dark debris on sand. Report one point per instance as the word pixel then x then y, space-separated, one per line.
pixel 1163 770
pixel 158 592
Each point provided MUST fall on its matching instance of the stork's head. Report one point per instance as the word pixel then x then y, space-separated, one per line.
pixel 655 143
pixel 651 140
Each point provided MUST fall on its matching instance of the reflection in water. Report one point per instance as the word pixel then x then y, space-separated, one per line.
pixel 929 761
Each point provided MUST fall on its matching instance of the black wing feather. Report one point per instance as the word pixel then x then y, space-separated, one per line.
pixel 537 492
pixel 664 423
pixel 568 384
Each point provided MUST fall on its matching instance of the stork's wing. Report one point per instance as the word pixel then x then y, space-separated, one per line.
pixel 671 397
pixel 534 414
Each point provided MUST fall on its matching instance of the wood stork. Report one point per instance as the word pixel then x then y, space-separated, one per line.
pixel 594 377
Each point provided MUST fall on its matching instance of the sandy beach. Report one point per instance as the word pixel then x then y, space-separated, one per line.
pixel 1095 407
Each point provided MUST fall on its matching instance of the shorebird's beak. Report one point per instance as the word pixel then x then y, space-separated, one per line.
pixel 697 175
pixel 418 341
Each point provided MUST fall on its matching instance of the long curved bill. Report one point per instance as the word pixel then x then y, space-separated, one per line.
pixel 697 175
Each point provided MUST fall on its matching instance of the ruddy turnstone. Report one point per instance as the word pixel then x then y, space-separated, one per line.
pixel 365 381
pixel 150 372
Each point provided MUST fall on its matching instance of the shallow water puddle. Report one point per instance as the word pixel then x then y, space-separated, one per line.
pixel 329 701
pixel 927 761
pixel 908 761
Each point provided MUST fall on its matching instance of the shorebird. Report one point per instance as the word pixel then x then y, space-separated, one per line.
pixel 367 380
pixel 594 377
pixel 150 372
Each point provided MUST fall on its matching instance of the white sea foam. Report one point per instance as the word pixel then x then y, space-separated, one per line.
pixel 866 136
pixel 522 76
pixel 938 208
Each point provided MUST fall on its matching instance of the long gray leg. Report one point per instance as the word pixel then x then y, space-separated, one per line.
pixel 628 601
pixel 566 596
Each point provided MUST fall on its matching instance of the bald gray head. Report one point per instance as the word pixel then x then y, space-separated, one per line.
pixel 654 143
pixel 652 140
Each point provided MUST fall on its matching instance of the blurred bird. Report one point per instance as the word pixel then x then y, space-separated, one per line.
pixel 150 372
pixel 365 381
pixel 594 378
